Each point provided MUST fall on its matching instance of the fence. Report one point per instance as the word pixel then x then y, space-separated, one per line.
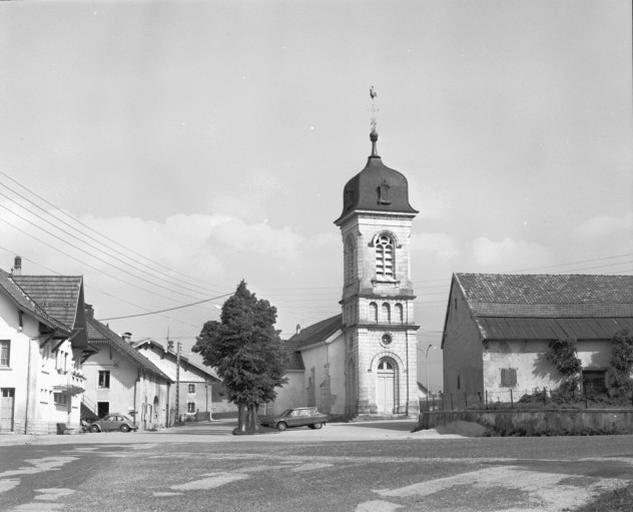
pixel 519 399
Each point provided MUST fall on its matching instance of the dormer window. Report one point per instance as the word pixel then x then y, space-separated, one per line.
pixel 383 193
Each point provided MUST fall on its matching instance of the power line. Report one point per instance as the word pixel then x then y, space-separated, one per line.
pixel 127 261
pixel 127 249
pixel 167 309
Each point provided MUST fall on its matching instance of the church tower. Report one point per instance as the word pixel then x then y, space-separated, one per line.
pixel 377 303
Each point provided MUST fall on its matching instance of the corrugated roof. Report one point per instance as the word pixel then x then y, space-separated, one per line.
pixel 317 332
pixel 101 334
pixel 507 328
pixel 26 303
pixel 581 306
pixel 57 295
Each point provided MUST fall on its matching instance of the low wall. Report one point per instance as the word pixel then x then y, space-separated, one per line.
pixel 538 422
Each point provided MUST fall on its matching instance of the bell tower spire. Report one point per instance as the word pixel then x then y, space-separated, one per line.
pixel 373 135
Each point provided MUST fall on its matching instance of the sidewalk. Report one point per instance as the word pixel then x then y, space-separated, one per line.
pixel 221 431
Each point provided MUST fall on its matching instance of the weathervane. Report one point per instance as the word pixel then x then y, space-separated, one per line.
pixel 373 136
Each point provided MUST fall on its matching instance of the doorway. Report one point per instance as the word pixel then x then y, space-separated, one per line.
pixel 7 406
pixel 103 409
pixel 386 377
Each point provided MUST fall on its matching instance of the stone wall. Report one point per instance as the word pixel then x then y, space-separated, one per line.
pixel 541 422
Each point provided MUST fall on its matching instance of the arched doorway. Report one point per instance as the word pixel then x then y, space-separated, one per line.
pixel 386 386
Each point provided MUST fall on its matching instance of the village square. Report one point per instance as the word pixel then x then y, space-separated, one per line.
pixel 359 257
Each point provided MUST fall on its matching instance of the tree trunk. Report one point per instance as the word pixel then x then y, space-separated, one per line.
pixel 253 421
pixel 241 419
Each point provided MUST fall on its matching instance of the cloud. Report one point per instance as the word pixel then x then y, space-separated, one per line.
pixel 604 225
pixel 507 255
pixel 439 246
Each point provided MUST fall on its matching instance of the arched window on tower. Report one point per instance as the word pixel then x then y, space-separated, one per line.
pixel 386 313
pixel 398 313
pixel 385 257
pixel 350 260
pixel 373 311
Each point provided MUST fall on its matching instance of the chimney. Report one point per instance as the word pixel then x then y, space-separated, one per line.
pixel 127 337
pixel 170 345
pixel 17 266
pixel 298 329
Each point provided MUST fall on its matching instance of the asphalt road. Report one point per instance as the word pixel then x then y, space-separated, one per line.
pixel 379 467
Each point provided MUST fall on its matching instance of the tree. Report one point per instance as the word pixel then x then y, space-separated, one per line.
pixel 247 353
pixel 564 356
pixel 619 377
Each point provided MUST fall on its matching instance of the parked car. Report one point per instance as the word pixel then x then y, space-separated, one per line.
pixel 297 417
pixel 113 422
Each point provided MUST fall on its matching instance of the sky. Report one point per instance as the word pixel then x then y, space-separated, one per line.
pixel 167 150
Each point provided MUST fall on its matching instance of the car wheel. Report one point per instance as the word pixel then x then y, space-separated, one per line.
pixel 94 428
pixel 317 425
pixel 281 426
pixel 125 428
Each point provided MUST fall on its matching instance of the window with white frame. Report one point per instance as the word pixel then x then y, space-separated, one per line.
pixel 191 407
pixel 384 257
pixel 104 379
pixel 192 388
pixel 5 353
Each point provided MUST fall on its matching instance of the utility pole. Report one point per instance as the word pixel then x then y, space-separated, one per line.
pixel 178 381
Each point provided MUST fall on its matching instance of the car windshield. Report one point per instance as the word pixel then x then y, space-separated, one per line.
pixel 286 412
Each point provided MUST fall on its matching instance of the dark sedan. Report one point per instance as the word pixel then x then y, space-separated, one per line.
pixel 297 417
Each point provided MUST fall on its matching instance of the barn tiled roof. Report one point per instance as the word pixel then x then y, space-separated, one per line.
pixel 100 334
pixel 581 306
pixel 544 295
pixel 317 332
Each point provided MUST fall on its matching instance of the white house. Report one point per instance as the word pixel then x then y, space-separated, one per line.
pixel 121 380
pixel 200 392
pixel 498 327
pixel 42 345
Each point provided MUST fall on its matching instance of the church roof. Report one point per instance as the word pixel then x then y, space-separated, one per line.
pixel 317 332
pixel 376 188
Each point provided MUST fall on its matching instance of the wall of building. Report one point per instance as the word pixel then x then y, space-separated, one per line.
pixel 462 349
pixel 34 372
pixel 533 370
pixel 123 375
pixel 292 394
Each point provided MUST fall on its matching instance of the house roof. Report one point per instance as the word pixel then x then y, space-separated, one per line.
pixel 317 332
pixel 59 296
pixel 207 371
pixel 101 334
pixel 27 304
pixel 544 295
pixel 543 306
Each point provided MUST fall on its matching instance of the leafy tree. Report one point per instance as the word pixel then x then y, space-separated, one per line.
pixel 247 353
pixel 619 378
pixel 563 355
